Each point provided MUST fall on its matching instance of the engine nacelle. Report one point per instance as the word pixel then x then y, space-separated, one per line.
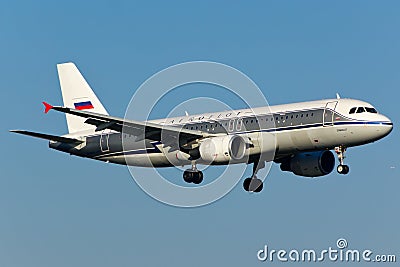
pixel 310 164
pixel 222 148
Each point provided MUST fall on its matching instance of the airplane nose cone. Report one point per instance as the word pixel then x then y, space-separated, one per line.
pixel 386 127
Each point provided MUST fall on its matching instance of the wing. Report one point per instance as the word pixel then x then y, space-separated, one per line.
pixel 168 135
pixel 49 137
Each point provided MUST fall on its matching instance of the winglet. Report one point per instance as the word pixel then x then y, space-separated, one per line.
pixel 47 107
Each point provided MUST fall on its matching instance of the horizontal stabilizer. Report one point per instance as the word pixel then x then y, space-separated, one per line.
pixel 49 137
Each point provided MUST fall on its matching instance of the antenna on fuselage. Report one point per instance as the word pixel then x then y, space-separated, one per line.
pixel 337 96
pixel 186 113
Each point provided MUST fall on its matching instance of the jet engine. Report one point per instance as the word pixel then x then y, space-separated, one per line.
pixel 310 164
pixel 222 148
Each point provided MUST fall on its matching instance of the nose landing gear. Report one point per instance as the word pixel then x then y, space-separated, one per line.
pixel 341 168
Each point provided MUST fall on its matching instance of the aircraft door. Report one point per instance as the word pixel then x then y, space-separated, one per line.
pixel 104 146
pixel 231 125
pixel 239 124
pixel 327 119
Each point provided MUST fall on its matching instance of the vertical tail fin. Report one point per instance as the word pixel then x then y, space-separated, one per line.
pixel 77 94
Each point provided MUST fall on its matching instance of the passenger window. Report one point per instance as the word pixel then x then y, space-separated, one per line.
pixel 360 110
pixel 352 110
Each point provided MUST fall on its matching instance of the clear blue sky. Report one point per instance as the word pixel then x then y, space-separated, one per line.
pixel 60 210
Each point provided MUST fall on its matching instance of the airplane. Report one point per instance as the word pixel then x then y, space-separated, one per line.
pixel 298 136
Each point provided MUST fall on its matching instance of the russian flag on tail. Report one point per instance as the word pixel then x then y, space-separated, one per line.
pixel 83 105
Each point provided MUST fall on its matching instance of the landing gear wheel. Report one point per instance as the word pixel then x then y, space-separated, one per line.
pixel 246 184
pixel 187 176
pixel 343 169
pixel 190 176
pixel 256 185
pixel 197 177
pixel 253 185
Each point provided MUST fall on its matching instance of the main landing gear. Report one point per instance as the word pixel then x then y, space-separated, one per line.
pixel 341 168
pixel 253 184
pixel 193 175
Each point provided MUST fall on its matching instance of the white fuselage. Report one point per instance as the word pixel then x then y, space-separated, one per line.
pixel 285 129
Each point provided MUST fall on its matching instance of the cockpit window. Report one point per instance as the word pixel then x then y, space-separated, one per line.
pixel 360 110
pixel 371 110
